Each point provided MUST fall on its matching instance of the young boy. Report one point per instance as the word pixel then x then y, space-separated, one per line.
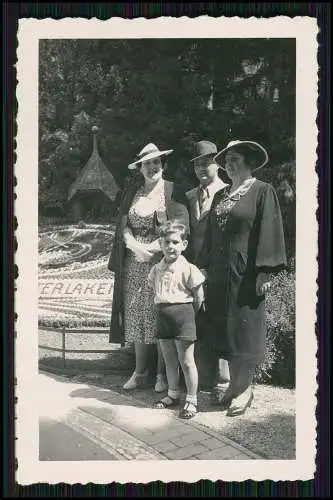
pixel 179 295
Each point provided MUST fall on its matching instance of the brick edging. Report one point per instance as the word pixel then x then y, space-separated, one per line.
pixel 76 371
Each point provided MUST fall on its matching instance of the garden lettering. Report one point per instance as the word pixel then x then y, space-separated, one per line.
pixel 70 287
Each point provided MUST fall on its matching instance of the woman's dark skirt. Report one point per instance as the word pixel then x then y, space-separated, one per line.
pixel 176 321
pixel 238 326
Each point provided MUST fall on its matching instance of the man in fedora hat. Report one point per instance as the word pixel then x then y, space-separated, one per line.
pixel 200 198
pixel 199 202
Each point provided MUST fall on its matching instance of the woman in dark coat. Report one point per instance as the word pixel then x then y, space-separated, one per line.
pixel 244 244
pixel 144 205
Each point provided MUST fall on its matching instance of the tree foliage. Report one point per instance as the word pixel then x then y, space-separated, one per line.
pixel 171 92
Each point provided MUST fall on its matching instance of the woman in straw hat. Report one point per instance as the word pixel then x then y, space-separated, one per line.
pixel 244 244
pixel 144 206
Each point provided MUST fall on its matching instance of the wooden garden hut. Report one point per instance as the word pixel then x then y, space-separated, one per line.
pixel 93 195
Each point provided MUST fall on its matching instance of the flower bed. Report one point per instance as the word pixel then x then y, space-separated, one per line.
pixel 68 321
pixel 91 267
pixel 96 270
pixel 100 272
pixel 61 247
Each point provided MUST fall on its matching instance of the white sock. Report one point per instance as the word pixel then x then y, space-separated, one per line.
pixel 173 394
pixel 192 399
pixel 222 386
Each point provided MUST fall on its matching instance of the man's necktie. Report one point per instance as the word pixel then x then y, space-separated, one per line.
pixel 203 195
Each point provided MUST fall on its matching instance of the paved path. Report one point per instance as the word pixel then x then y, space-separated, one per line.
pixel 58 441
pixel 83 422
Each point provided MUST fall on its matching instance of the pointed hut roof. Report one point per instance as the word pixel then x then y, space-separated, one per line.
pixel 94 176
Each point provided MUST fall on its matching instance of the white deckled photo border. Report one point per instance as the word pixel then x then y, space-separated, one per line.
pixel 30 31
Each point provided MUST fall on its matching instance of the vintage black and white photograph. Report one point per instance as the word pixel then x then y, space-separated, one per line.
pixel 166 233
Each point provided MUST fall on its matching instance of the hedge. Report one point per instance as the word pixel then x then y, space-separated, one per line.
pixel 279 365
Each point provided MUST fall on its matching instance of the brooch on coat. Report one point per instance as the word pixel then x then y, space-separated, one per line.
pixel 225 205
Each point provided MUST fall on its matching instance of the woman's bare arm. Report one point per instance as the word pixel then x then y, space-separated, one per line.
pixel 139 249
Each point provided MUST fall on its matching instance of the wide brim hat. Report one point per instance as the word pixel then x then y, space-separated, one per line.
pixel 204 148
pixel 257 151
pixel 148 153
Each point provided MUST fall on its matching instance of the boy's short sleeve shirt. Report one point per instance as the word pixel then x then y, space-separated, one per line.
pixel 175 282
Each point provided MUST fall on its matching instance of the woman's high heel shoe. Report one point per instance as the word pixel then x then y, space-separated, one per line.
pixel 235 411
pixel 161 384
pixel 135 381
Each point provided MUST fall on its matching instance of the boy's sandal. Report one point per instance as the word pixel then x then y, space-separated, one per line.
pixel 189 411
pixel 166 402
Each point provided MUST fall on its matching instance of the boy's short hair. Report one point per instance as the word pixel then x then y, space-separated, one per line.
pixel 173 226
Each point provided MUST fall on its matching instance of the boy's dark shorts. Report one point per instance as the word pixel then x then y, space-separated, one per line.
pixel 176 321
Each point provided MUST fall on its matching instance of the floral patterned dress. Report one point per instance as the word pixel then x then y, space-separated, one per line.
pixel 139 314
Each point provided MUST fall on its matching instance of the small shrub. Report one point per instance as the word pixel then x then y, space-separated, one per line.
pixel 279 365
